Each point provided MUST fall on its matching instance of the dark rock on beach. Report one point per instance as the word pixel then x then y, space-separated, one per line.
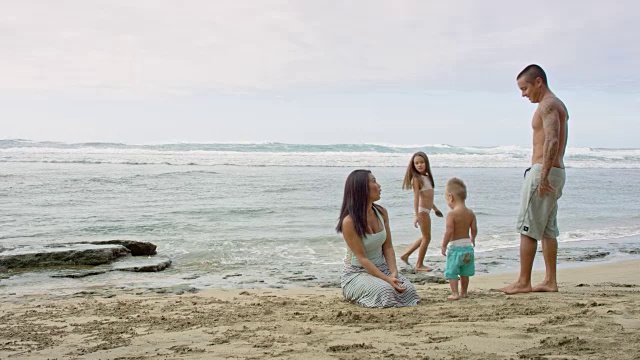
pixel 301 278
pixel 175 289
pixel 79 274
pixel 231 275
pixel 137 248
pixel 634 251
pixel 81 254
pixel 590 256
pixel 102 256
pixel 151 264
pixel 331 284
pixel 421 278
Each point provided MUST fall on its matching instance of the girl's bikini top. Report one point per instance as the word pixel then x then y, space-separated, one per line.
pixel 426 183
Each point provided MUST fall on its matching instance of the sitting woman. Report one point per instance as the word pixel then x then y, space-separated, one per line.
pixel 370 276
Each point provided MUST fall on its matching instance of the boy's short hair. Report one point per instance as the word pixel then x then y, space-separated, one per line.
pixel 457 188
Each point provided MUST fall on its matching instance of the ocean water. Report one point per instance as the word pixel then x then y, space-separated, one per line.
pixel 252 215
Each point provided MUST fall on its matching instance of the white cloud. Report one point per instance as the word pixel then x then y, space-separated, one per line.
pixel 233 46
pixel 295 71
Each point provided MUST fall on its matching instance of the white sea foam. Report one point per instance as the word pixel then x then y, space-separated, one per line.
pixel 277 154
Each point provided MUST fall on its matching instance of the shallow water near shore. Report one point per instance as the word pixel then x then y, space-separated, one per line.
pixel 244 226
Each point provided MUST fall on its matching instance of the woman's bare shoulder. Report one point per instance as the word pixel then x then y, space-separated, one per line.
pixel 382 211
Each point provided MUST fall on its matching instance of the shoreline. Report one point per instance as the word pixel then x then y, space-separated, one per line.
pixel 571 255
pixel 595 313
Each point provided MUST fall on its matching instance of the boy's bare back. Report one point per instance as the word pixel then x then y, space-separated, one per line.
pixel 463 221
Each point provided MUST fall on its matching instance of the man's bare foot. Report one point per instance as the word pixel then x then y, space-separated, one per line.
pixel 516 288
pixel 405 259
pixel 453 297
pixel 545 287
pixel 423 268
pixel 464 295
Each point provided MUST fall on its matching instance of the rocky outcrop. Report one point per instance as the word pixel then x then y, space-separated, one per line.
pixel 79 274
pixel 137 248
pixel 126 255
pixel 151 264
pixel 422 278
pixel 77 255
pixel 594 255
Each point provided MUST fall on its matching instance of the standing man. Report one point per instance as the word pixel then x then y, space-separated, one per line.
pixel 543 182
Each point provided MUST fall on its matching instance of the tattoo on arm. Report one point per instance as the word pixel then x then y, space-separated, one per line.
pixel 551 124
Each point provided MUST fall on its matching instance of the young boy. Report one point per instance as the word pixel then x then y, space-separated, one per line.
pixel 460 256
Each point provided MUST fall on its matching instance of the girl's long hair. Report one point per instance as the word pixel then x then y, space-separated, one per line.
pixel 354 201
pixel 412 173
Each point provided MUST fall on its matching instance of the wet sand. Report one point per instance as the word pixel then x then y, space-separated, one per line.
pixel 595 316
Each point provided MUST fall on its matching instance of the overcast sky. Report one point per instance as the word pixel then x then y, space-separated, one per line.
pixel 395 72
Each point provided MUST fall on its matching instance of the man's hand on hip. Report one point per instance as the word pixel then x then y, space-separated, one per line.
pixel 544 187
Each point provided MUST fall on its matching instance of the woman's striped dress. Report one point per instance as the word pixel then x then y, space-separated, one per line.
pixel 364 289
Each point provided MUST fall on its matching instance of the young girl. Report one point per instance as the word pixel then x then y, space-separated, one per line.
pixel 420 179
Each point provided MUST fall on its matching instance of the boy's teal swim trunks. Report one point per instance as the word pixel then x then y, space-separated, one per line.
pixel 460 261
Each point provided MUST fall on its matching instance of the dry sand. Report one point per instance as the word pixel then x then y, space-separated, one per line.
pixel 595 316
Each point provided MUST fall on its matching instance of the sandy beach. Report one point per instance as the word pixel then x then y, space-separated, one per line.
pixel 596 315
